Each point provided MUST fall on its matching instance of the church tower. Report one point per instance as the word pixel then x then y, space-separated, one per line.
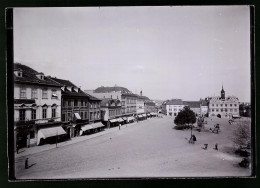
pixel 222 93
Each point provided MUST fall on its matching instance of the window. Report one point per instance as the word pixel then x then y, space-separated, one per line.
pixel 216 105
pixel 235 110
pixel 225 105
pixel 235 104
pixel 69 116
pixel 231 110
pixel 23 93
pixel 53 112
pixel 86 115
pixel 34 94
pixel 45 94
pixel 212 110
pixel 54 94
pixel 76 103
pixel 212 105
pixel 33 114
pixel 221 105
pixel 63 117
pixel 82 103
pixel 69 103
pixel 44 113
pixel 22 115
pixel 225 110
pixel 221 110
pixel 216 110
pixel 82 115
pixel 231 105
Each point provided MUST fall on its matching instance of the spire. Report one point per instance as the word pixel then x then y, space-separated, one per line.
pixel 222 92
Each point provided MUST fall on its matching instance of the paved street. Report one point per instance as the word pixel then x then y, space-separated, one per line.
pixel 151 148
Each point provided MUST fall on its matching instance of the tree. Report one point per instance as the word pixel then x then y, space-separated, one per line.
pixel 185 117
pixel 242 134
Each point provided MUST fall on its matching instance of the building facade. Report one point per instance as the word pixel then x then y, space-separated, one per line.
pixel 75 107
pixel 37 105
pixel 172 107
pixel 223 106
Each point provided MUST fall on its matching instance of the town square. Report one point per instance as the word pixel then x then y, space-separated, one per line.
pixel 131 92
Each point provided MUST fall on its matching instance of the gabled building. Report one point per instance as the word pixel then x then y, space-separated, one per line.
pixel 37 107
pixel 223 106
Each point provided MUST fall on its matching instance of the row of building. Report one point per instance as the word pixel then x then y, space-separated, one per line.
pixel 47 108
pixel 221 106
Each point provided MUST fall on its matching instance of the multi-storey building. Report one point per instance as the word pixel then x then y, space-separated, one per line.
pixel 172 107
pixel 140 103
pixel 149 107
pixel 195 106
pixel 75 107
pixel 127 98
pixel 111 112
pixel 204 108
pixel 223 106
pixel 37 106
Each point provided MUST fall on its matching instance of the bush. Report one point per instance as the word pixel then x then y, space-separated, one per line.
pixel 242 153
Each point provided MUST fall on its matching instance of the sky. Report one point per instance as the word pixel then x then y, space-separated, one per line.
pixel 167 52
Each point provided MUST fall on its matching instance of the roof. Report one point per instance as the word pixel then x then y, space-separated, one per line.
pixel 151 103
pixel 29 76
pixel 204 103
pixel 174 102
pixel 142 97
pixel 74 91
pixel 192 104
pixel 103 89
pixel 64 82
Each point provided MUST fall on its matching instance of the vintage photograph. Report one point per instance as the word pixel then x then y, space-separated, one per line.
pixel 132 92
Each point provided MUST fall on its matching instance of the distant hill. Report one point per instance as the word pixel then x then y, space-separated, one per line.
pixel 159 102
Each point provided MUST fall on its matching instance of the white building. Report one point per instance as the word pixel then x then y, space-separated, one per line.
pixel 223 106
pixel 37 105
pixel 172 107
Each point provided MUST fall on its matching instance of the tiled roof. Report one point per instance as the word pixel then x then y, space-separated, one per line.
pixel 103 89
pixel 64 82
pixel 192 104
pixel 74 91
pixel 29 76
pixel 174 102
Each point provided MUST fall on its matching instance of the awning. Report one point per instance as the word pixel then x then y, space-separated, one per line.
pixel 235 116
pixel 130 118
pixel 49 132
pixel 148 114
pixel 97 125
pixel 77 115
pixel 113 120
pixel 140 116
pixel 144 115
pixel 86 127
pixel 124 118
pixel 120 120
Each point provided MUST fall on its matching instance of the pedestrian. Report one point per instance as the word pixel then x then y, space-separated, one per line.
pixel 205 147
pixel 119 126
pixel 26 163
pixel 216 146
pixel 194 138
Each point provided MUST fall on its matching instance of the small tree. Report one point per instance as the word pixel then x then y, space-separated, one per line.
pixel 242 134
pixel 185 117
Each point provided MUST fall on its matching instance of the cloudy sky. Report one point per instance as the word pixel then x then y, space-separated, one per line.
pixel 168 52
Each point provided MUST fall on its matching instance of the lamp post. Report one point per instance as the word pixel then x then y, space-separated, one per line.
pixel 56 138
